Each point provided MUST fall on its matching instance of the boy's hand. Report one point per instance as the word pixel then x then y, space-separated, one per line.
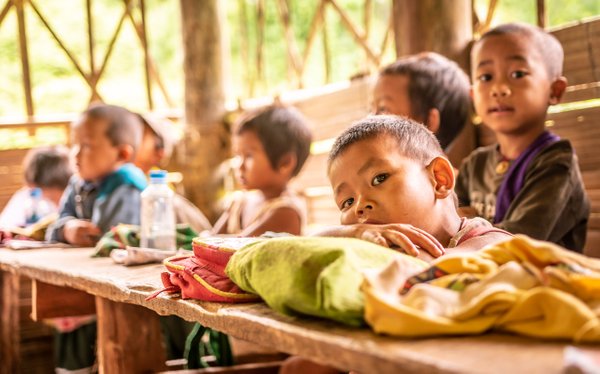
pixel 404 237
pixel 80 232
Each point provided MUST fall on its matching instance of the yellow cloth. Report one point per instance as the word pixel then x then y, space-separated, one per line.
pixel 522 285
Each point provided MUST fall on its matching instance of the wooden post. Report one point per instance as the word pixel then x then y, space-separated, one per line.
pixel 10 340
pixel 206 142
pixel 24 57
pixel 129 338
pixel 444 27
pixel 542 15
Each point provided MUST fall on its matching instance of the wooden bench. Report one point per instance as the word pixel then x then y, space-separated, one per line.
pixel 128 340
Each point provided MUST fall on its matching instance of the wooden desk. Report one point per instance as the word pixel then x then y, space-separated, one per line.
pixel 117 287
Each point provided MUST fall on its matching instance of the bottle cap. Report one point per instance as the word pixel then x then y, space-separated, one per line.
pixel 158 176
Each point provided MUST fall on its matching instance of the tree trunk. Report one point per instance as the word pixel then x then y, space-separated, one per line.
pixel 206 139
pixel 440 26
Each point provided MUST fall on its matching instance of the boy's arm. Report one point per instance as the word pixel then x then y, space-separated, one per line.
pixel 283 219
pixel 123 205
pixel 544 197
pixel 401 236
pixel 67 212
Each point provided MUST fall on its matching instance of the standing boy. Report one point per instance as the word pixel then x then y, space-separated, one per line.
pixel 529 182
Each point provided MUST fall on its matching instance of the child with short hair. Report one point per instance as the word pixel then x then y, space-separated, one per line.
pixel 272 145
pixel 529 181
pixel 105 192
pixel 46 168
pixel 394 187
pixel 157 144
pixel 107 189
pixel 428 88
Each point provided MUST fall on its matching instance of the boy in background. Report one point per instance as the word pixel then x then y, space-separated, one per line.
pixel 157 145
pixel 271 145
pixel 394 187
pixel 46 168
pixel 529 181
pixel 428 88
pixel 106 190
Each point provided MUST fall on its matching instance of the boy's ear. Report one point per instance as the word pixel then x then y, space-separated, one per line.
pixel 557 89
pixel 287 163
pixel 433 120
pixel 126 153
pixel 442 177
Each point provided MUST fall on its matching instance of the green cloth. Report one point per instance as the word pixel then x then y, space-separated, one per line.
pixel 129 235
pixel 313 276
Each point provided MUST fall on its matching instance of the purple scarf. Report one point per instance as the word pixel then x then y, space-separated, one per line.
pixel 515 176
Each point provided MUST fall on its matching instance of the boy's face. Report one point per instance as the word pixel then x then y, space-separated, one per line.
pixel 390 96
pixel 148 155
pixel 373 183
pixel 511 88
pixel 254 169
pixel 95 155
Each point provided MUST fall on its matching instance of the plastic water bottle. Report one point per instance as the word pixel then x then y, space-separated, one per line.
pixel 36 207
pixel 158 217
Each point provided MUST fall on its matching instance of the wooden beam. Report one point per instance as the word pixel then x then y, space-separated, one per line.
pixel 542 15
pixel 10 341
pixel 90 30
pixel 490 15
pixel 260 30
pixel 130 338
pixel 151 65
pixel 316 22
pixel 60 43
pixel 73 302
pixel 245 48
pixel 359 37
pixel 292 49
pixel 24 57
pixel 5 10
pixel 110 47
pixel 326 52
pixel 144 37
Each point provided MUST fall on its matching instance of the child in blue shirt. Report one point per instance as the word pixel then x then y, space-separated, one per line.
pixel 104 192
pixel 106 189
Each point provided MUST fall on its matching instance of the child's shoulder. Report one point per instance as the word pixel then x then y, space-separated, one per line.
pixel 128 176
pixel 559 155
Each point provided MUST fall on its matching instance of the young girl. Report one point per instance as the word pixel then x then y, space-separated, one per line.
pixel 271 146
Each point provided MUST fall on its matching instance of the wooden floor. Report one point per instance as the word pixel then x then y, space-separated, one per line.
pixel 322 341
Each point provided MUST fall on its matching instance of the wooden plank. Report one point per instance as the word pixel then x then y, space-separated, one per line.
pixel 9 325
pixel 255 368
pixel 72 302
pixel 129 337
pixel 323 341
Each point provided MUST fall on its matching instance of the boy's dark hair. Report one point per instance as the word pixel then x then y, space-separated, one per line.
pixel 414 140
pixel 281 130
pixel 123 126
pixel 435 82
pixel 546 44
pixel 48 167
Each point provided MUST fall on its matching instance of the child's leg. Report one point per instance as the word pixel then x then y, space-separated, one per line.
pixel 76 350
